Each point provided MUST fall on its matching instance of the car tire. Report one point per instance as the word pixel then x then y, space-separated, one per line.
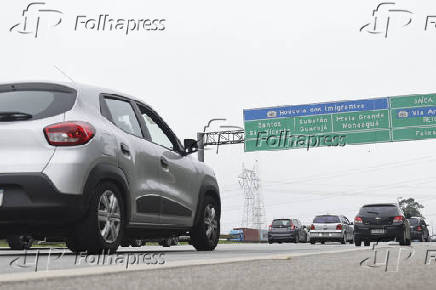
pixel 344 239
pixel 132 243
pixel 136 243
pixel 102 228
pixel 19 243
pixel 322 242
pixel 297 238
pixel 367 243
pixel 403 240
pixel 165 243
pixel 270 242
pixel 312 242
pixel 205 234
pixel 357 243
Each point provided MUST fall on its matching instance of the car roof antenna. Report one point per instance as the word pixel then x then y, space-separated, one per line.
pixel 65 75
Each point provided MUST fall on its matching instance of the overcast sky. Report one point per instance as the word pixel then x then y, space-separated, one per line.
pixel 216 58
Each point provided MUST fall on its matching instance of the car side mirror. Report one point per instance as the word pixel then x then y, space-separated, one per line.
pixel 191 146
pixel 304 227
pixel 352 223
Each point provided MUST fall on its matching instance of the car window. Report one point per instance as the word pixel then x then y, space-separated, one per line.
pixel 326 219
pixel 380 210
pixel 413 222
pixel 281 223
pixel 157 134
pixel 123 116
pixel 37 104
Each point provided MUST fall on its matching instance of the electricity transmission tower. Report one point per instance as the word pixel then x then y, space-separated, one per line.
pixel 254 211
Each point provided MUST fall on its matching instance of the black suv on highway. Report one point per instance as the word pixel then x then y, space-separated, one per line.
pixel 381 222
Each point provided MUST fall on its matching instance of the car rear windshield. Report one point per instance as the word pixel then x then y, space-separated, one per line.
pixel 414 222
pixel 326 219
pixel 34 104
pixel 281 223
pixel 380 210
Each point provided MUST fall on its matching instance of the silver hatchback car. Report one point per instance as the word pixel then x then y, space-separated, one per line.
pixel 331 228
pixel 97 168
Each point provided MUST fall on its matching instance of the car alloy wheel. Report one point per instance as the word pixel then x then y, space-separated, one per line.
pixel 210 221
pixel 205 233
pixel 109 216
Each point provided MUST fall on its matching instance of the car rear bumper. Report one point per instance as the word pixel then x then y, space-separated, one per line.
pixel 31 203
pixel 286 236
pixel 391 232
pixel 326 236
pixel 415 235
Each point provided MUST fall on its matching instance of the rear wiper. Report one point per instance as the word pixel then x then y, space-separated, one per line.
pixel 14 116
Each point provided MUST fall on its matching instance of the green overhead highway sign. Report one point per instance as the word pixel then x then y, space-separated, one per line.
pixel 341 123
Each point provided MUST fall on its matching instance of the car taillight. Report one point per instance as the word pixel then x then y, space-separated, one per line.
pixel 270 227
pixel 358 220
pixel 398 219
pixel 339 227
pixel 312 227
pixel 69 133
pixel 418 228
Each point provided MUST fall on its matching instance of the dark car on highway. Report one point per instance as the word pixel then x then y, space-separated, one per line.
pixel 419 229
pixel 286 230
pixel 381 222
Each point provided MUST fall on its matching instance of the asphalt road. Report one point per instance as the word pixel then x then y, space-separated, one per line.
pixel 254 266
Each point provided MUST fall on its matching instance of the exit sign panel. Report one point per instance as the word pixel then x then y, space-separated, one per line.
pixel 346 123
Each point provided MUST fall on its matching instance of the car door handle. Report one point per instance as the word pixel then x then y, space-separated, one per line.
pixel 164 163
pixel 125 149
